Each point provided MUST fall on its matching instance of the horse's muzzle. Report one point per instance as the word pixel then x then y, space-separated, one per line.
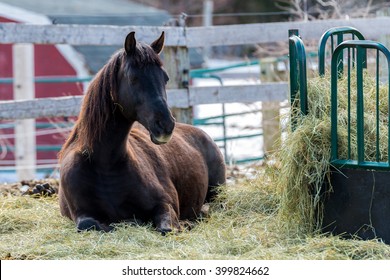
pixel 161 139
pixel 162 129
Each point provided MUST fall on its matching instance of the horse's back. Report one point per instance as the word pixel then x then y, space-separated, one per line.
pixel 209 150
pixel 209 153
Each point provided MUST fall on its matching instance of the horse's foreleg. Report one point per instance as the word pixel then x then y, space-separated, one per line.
pixel 88 223
pixel 166 219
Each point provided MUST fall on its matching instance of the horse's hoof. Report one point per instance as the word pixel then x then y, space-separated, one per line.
pixel 87 224
pixel 164 231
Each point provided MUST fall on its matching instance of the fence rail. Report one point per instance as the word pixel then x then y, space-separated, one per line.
pixel 190 37
pixel 179 98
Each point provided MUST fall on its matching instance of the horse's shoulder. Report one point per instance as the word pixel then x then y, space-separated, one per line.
pixel 138 130
pixel 72 161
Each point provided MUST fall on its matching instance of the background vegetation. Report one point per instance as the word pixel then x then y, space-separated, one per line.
pixel 255 11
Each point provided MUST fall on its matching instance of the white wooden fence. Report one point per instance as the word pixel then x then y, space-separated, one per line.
pixel 179 98
pixel 188 37
pixel 223 35
pixel 176 37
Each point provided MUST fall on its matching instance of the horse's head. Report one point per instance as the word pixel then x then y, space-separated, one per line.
pixel 141 93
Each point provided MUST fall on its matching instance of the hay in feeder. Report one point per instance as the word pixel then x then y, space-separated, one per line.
pixel 304 157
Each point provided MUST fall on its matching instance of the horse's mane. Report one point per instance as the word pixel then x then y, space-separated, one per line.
pixel 98 105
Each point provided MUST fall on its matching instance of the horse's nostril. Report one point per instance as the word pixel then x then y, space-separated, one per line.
pixel 159 124
pixel 164 126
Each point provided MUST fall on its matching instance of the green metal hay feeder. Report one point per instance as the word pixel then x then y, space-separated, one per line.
pixel 359 202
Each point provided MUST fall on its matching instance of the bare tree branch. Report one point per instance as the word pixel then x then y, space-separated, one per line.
pixel 292 6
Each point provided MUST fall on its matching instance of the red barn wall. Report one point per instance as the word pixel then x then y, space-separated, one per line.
pixel 48 62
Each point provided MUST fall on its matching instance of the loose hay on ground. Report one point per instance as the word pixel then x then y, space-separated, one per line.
pixel 243 224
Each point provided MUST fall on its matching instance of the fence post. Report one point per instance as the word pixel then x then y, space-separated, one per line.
pixel 23 87
pixel 270 110
pixel 177 65
pixel 384 39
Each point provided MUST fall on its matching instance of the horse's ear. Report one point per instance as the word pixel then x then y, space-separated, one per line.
pixel 158 45
pixel 130 43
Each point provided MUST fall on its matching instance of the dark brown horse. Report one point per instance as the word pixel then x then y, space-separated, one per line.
pixel 112 166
